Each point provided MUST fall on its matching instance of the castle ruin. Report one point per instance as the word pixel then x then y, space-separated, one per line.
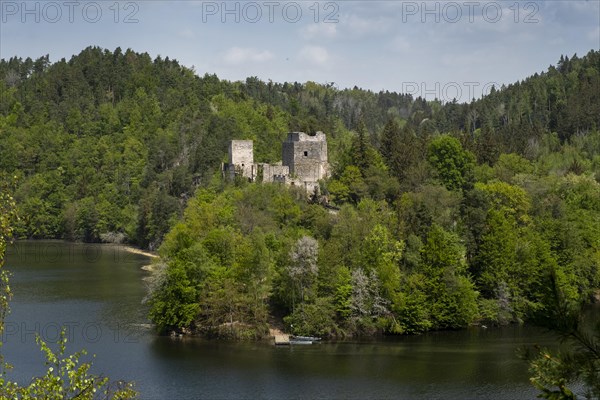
pixel 304 162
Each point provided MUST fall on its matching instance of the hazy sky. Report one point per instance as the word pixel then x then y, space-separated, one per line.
pixel 442 49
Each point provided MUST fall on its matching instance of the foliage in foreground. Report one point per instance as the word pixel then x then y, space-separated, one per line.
pixel 67 378
pixel 559 374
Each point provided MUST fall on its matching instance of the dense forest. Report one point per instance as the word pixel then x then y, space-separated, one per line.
pixel 109 146
pixel 440 214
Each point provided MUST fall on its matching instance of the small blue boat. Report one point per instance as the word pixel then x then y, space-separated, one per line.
pixel 304 339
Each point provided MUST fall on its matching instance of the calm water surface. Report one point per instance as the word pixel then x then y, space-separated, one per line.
pixel 96 292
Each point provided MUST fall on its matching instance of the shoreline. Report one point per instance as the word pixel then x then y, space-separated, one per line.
pixel 135 250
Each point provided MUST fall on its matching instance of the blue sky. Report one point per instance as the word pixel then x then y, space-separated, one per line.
pixel 442 49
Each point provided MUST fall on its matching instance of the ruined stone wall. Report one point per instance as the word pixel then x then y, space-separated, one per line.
pixel 274 173
pixel 241 158
pixel 287 154
pixel 306 156
pixel 304 161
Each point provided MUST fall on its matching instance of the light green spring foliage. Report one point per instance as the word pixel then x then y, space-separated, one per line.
pixel 452 163
pixel 573 372
pixel 7 217
pixel 255 119
pixel 242 252
pixel 67 377
pixel 435 259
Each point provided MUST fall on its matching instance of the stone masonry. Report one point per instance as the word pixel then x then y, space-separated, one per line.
pixel 241 159
pixel 304 161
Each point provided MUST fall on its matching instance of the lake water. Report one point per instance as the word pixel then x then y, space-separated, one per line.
pixel 95 291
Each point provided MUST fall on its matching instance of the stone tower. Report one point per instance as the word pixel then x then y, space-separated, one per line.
pixel 306 157
pixel 241 159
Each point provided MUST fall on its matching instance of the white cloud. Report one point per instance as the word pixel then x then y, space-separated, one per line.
pixel 239 55
pixel 319 31
pixel 315 55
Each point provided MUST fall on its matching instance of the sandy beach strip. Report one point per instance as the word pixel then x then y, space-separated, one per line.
pixel 135 250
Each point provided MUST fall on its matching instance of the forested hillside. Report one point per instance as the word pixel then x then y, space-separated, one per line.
pixel 443 214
